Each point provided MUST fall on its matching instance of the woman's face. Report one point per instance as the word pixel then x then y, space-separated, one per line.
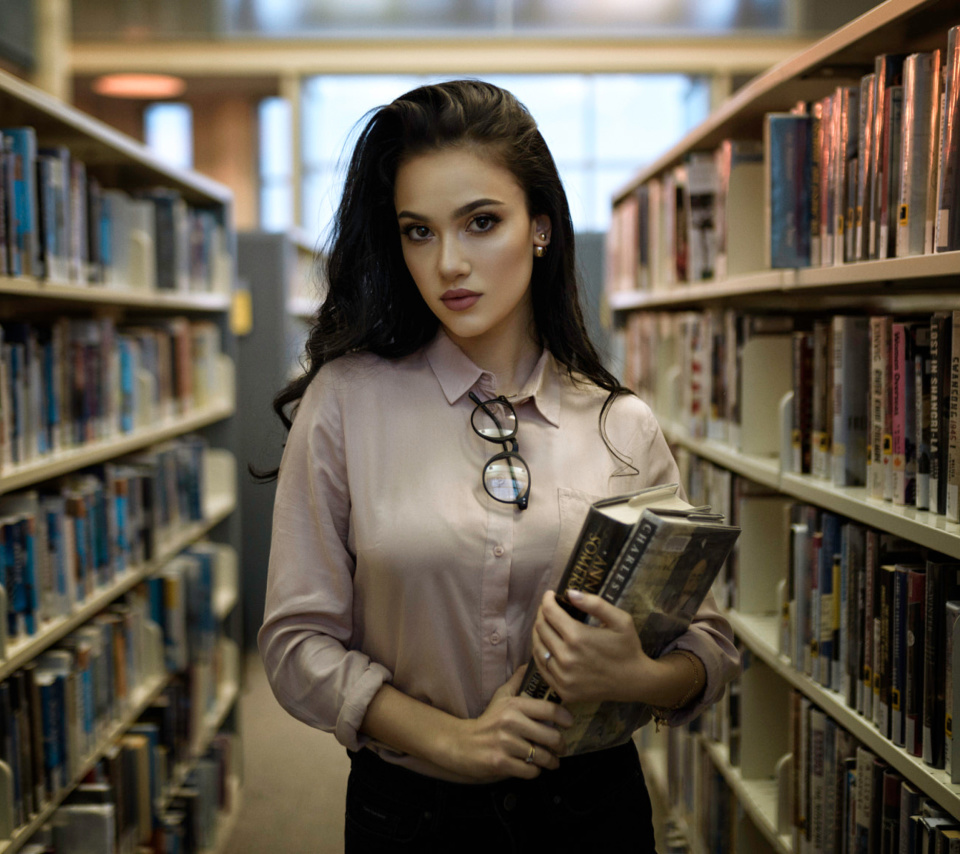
pixel 468 241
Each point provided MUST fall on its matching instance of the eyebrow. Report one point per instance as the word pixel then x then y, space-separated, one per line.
pixel 461 211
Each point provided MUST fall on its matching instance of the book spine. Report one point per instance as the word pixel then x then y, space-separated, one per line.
pixel 951 758
pixel 921 362
pixel 879 345
pixel 822 382
pixel 898 656
pixel 913 715
pixel 871 568
pixel 892 180
pixel 850 373
pixel 940 346
pixel 883 651
pixel 788 164
pixel 948 193
pixel 865 161
pixel 953 426
pixel 898 410
pixel 921 74
pixel 943 584
pixel 802 402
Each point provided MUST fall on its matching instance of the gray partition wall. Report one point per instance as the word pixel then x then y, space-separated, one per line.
pixel 267 263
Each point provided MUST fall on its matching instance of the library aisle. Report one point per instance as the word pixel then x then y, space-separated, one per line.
pixel 294 779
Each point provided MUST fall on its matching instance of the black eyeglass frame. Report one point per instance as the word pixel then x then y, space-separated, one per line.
pixel 510 447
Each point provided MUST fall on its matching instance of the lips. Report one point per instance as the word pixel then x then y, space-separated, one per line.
pixel 459 299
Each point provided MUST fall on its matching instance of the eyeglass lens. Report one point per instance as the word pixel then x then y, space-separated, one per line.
pixel 495 420
pixel 506 478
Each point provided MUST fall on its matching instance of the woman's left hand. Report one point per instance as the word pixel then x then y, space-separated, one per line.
pixel 590 663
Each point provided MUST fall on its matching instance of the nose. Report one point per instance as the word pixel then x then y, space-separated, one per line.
pixel 453 261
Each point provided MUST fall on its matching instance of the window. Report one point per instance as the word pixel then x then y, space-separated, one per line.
pixel 168 131
pixel 276 165
pixel 600 128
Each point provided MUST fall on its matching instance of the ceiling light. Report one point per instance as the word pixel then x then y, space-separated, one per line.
pixel 149 86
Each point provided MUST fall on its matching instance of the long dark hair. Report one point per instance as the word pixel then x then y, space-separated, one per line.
pixel 372 303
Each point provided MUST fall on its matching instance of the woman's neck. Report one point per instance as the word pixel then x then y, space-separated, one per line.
pixel 510 358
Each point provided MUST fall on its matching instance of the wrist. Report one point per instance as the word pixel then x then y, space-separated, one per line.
pixel 680 678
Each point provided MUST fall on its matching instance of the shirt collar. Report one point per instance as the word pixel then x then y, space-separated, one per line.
pixel 457 375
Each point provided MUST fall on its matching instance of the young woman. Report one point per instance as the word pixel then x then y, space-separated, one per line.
pixel 412 560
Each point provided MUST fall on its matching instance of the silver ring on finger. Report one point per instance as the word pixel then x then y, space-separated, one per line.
pixel 546 657
pixel 531 755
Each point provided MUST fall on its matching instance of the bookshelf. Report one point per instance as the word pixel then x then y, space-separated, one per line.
pixel 648 308
pixel 154 417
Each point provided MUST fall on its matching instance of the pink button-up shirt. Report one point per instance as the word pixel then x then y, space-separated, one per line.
pixel 390 563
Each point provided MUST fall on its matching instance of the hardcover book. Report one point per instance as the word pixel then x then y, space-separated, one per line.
pixel 654 555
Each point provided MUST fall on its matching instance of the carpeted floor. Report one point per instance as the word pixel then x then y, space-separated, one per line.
pixel 294 782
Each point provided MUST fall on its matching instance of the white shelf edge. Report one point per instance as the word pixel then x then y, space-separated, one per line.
pixel 851 502
pixel 50 466
pixel 144 697
pixel 25 286
pixel 758 797
pixel 790 281
pixel 764 470
pixel 756 633
pixel 216 509
pixel 302 307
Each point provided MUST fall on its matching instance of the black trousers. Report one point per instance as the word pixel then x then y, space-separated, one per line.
pixel 596 802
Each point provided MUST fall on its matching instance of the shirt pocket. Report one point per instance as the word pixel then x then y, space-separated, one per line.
pixel 573 506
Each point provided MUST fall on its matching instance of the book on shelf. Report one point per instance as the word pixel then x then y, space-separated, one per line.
pixel 923 403
pixel 952 393
pixel 941 337
pixel 942 585
pixel 915 634
pixel 918 182
pixel 654 555
pixel 888 73
pixel 890 174
pixel 951 689
pixel 850 374
pixel 787 187
pixel 866 156
pixel 947 237
pixel 845 172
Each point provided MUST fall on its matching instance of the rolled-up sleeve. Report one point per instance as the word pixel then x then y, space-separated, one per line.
pixel 305 640
pixel 710 638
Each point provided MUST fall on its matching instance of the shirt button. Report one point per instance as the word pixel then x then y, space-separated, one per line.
pixel 495 638
pixel 498 551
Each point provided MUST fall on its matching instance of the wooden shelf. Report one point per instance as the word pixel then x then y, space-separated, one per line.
pixel 760 635
pixel 24 286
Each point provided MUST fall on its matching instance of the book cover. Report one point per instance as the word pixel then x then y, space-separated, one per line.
pixel 948 190
pixel 661 576
pixel 880 328
pixel 788 152
pixel 26 238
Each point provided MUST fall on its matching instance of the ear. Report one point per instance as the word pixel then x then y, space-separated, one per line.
pixel 541 230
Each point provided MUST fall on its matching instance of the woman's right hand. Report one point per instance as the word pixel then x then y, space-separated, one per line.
pixel 496 744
